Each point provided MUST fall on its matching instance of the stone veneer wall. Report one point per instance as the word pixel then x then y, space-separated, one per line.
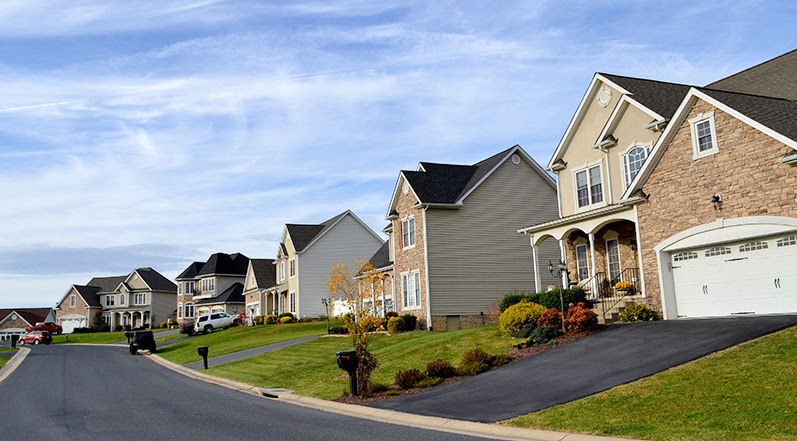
pixel 746 172
pixel 410 259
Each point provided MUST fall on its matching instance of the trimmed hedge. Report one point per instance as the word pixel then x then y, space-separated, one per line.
pixel 517 315
pixel 548 299
pixel 410 322
pixel 395 325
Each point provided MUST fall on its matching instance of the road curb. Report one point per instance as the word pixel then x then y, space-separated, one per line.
pixel 493 431
pixel 12 364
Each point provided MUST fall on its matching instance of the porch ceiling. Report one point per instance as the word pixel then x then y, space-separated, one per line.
pixel 589 222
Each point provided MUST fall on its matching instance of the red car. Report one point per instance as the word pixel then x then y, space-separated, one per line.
pixel 36 337
pixel 50 327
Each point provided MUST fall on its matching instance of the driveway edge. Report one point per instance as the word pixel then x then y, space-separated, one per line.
pixel 12 364
pixel 493 431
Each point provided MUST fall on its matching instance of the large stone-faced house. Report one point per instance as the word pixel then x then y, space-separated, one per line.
pixel 261 277
pixel 212 286
pixel 306 255
pixel 14 321
pixel 454 242
pixel 138 299
pixel 696 206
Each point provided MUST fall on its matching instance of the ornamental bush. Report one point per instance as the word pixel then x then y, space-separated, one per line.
pixel 637 313
pixel 580 318
pixel 271 319
pixel 305 320
pixel 473 369
pixel 337 329
pixel 371 323
pixel 406 379
pixel 550 299
pixel 510 299
pixel 410 322
pixel 542 335
pixel 428 382
pixel 513 319
pixel 551 317
pixel 287 314
pixel 257 320
pixel 440 368
pixel 287 319
pixel 476 355
pixel 395 325
pixel 525 331
pixel 391 314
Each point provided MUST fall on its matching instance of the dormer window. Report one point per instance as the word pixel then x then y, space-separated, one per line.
pixel 589 186
pixel 704 135
pixel 633 160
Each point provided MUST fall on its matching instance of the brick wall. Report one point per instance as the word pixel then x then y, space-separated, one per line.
pixel 411 259
pixel 746 172
pixel 80 308
pixel 18 323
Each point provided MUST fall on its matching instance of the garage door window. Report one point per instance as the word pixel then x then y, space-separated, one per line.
pixel 752 246
pixel 787 241
pixel 718 251
pixel 686 255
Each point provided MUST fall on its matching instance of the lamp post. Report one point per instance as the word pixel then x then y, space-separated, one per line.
pixel 325 302
pixel 561 268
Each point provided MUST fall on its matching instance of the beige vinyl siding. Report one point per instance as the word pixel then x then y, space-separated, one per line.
pixel 345 242
pixel 631 129
pixel 163 305
pixel 476 254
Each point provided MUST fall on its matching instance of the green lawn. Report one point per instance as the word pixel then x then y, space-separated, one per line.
pixel 7 350
pixel 102 337
pixel 238 339
pixel 4 360
pixel 745 393
pixel 310 368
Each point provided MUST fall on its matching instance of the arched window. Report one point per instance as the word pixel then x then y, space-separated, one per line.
pixel 632 163
pixel 180 310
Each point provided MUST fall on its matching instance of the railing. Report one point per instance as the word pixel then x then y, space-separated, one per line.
pixel 610 292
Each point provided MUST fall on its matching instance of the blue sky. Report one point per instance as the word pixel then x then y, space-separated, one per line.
pixel 155 133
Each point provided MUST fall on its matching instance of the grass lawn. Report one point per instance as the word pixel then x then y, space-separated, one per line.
pixel 238 339
pixel 743 393
pixel 310 368
pixel 101 337
pixel 4 360
pixel 8 350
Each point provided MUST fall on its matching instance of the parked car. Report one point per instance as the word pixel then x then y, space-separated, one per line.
pixel 142 340
pixel 50 327
pixel 187 329
pixel 208 322
pixel 36 337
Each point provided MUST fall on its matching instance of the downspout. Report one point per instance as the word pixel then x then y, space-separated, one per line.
pixel 426 265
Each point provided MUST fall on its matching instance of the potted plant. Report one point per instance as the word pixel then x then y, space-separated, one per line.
pixel 623 287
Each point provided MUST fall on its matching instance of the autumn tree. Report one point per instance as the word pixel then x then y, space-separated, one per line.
pixel 344 286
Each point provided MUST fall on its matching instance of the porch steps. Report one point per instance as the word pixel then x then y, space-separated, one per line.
pixel 613 314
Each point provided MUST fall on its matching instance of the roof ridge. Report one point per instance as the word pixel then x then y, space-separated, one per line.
pixel 645 79
pixel 752 67
pixel 745 93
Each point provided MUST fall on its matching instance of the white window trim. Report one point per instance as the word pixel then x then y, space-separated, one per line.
pixel 192 310
pixel 576 245
pixel 696 153
pixel 122 300
pixel 72 301
pixel 292 303
pixel 591 205
pixel 292 268
pixel 417 286
pixel 609 236
pixel 414 233
pixel 282 270
pixel 180 310
pixel 624 159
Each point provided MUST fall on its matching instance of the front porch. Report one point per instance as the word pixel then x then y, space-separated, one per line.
pixel 134 318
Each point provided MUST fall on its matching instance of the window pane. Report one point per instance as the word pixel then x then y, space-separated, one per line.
pixel 633 162
pixel 581 262
pixel 582 188
pixel 417 289
pixel 704 141
pixel 596 187
pixel 613 256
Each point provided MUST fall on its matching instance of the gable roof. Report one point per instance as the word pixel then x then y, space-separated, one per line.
pixel 381 258
pixel 265 272
pixel 89 293
pixel 778 114
pixel 191 271
pixel 774 78
pixel 303 236
pixel 30 315
pixel 233 294
pixel 106 284
pixel 155 280
pixel 449 184
pixel 223 263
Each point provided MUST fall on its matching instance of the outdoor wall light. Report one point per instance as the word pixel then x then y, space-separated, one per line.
pixel 717 201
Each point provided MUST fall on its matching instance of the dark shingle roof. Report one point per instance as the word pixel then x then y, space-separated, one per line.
pixel 106 284
pixel 223 263
pixel 778 114
pixel 30 315
pixel 156 280
pixel 90 294
pixel 658 96
pixel 774 78
pixel 233 294
pixel 302 234
pixel 265 272
pixel 447 183
pixel 191 271
pixel 381 258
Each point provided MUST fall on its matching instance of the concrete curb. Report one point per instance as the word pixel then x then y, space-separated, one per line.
pixel 493 431
pixel 12 364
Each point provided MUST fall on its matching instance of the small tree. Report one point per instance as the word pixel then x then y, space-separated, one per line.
pixel 99 320
pixel 344 287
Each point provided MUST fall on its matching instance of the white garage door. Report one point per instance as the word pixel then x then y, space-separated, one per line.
pixel 755 276
pixel 70 324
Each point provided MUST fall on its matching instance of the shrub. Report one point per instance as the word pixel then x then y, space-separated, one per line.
pixel 518 315
pixel 473 369
pixel 525 331
pixel 371 323
pixel 509 300
pixel 580 318
pixel 500 359
pixel 395 325
pixel 476 355
pixel 406 379
pixel 287 319
pixel 271 319
pixel 257 320
pixel 410 322
pixel 550 299
pixel 440 368
pixel 117 328
pixel 378 387
pixel 429 382
pixel 82 331
pixel 162 325
pixel 637 313
pixel 390 314
pixel 337 329
pixel 305 320
pixel 391 392
pixel 105 328
pixel 543 334
pixel 287 314
pixel 551 317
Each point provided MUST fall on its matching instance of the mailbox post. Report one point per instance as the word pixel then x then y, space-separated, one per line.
pixel 203 352
pixel 14 338
pixel 348 361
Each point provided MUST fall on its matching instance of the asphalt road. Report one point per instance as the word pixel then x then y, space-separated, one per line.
pixel 71 392
pixel 617 355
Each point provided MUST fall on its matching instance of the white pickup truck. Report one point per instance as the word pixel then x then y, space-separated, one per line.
pixel 208 322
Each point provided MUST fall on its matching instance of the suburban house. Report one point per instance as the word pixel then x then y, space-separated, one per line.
pixel 261 277
pixel 212 286
pixel 379 301
pixel 306 255
pixel 686 194
pixel 138 299
pixel 453 237
pixel 14 321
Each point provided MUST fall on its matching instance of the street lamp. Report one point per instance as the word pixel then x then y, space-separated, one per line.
pixel 325 302
pixel 561 269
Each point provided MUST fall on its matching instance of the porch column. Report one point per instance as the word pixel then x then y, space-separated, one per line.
pixel 535 258
pixel 384 311
pixel 593 270
pixel 562 255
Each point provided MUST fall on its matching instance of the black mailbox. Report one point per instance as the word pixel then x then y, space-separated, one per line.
pixel 348 361
pixel 143 340
pixel 203 352
pixel 14 338
pixel 128 335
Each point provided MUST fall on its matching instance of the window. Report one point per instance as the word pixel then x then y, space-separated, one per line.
pixel 581 262
pixel 140 298
pixel 589 187
pixel 632 163
pixel 121 299
pixel 613 258
pixel 293 302
pixel 411 289
pixel 72 300
pixel 787 241
pixel 753 246
pixel 189 310
pixel 293 267
pixel 704 135
pixel 180 310
pixel 189 287
pixel 282 270
pixel 408 232
pixel 686 255
pixel 109 300
pixel 718 251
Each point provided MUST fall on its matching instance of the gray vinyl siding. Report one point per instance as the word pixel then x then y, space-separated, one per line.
pixel 163 305
pixel 345 242
pixel 476 254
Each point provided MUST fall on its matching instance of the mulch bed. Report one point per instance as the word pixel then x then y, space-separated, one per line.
pixel 515 353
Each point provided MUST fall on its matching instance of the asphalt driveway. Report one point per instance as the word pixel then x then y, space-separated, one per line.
pixel 618 355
